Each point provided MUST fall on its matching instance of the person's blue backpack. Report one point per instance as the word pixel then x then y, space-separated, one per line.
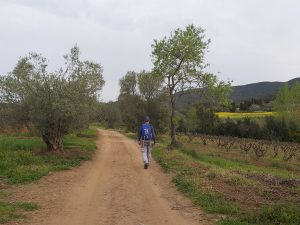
pixel 146 132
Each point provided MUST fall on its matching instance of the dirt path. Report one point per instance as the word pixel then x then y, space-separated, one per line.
pixel 112 189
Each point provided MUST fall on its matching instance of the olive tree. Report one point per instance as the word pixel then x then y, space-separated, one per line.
pixel 57 102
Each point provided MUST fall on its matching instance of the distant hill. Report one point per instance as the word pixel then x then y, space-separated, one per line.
pixel 242 92
pixel 258 90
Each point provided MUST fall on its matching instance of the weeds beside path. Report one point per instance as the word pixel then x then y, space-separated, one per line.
pixel 237 191
pixel 24 160
pixel 11 210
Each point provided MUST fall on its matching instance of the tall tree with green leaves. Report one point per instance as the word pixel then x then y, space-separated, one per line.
pixel 150 85
pixel 57 102
pixel 111 114
pixel 151 90
pixel 128 84
pixel 179 60
pixel 130 103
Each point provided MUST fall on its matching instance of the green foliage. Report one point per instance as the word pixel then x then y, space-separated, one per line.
pixel 12 116
pixel 246 104
pixel 278 215
pixel 109 114
pixel 14 210
pixel 148 98
pixel 216 93
pixel 244 167
pixel 206 118
pixel 149 85
pixel 179 61
pixel 28 206
pixel 54 103
pixel 130 103
pixel 210 201
pixel 233 107
pixel 190 120
pixel 276 129
pixel 202 176
pixel 184 122
pixel 180 56
pixel 269 128
pixel 128 84
pixel 22 161
pixel 156 104
pixel 185 179
pixel 284 214
pixel 287 103
pixel 8 143
pixel 132 111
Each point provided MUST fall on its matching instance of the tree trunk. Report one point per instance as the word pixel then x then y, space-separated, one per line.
pixel 173 128
pixel 54 143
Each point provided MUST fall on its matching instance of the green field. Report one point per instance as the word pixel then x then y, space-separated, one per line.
pixel 246 191
pixel 240 115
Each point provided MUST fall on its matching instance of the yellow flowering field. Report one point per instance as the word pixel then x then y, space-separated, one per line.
pixel 239 115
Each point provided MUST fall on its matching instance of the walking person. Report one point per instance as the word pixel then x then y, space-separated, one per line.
pixel 146 136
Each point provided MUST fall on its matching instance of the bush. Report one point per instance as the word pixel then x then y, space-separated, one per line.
pixel 272 129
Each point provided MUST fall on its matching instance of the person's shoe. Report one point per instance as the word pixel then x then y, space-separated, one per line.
pixel 146 166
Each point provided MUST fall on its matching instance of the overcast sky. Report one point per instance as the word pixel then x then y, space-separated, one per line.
pixel 254 40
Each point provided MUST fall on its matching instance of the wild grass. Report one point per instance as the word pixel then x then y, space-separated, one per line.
pixel 23 159
pixel 187 181
pixel 209 159
pixel 13 210
pixel 284 214
pixel 209 200
pixel 196 172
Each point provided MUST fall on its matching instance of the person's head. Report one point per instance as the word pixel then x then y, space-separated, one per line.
pixel 147 119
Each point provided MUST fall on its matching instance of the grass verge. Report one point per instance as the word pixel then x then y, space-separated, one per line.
pixel 187 178
pixel 212 183
pixel 284 214
pixel 23 160
pixel 14 210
